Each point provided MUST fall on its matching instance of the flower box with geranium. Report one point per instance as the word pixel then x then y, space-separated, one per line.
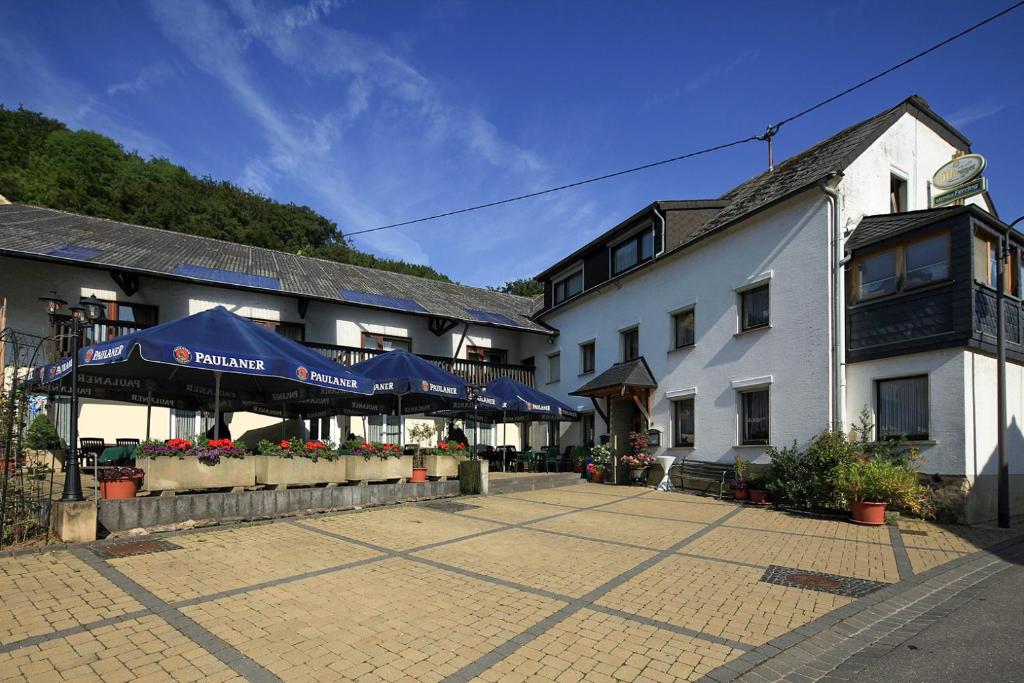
pixel 442 461
pixel 119 482
pixel 294 462
pixel 377 462
pixel 181 465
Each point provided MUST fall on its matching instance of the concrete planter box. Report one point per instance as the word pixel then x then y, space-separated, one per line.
pixel 442 466
pixel 359 470
pixel 184 474
pixel 282 472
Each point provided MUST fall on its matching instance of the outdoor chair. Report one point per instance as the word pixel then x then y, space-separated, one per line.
pixel 566 463
pixel 551 458
pixel 89 450
pixel 127 442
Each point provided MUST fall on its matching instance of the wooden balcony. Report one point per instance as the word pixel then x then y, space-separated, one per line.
pixel 473 371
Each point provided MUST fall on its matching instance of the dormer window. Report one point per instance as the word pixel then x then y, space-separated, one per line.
pixel 635 250
pixel 568 287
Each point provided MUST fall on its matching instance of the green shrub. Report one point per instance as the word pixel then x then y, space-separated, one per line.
pixel 879 480
pixel 808 479
pixel 42 435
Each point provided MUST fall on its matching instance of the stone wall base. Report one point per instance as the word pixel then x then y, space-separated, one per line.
pixel 474 476
pixel 972 500
pixel 209 508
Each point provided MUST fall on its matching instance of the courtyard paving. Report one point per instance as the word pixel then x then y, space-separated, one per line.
pixel 578 583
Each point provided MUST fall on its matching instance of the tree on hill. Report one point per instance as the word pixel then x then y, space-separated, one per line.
pixel 523 287
pixel 42 162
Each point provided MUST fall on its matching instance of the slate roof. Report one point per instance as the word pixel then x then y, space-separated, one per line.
pixel 631 373
pixel 872 229
pixel 99 243
pixel 796 174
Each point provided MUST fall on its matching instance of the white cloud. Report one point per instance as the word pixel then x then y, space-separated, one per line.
pixel 376 142
pixel 150 75
pixel 718 71
pixel 974 112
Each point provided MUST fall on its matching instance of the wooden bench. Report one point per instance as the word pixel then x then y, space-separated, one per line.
pixel 714 471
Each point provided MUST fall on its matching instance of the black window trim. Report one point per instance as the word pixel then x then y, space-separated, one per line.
pixel 673 343
pixel 622 342
pixel 564 280
pixel 692 398
pixel 741 292
pixel 741 392
pixel 632 237
pixel 593 360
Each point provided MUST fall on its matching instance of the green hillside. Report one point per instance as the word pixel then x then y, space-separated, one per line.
pixel 44 163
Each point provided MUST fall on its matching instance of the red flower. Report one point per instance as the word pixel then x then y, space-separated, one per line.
pixel 314 446
pixel 180 444
pixel 285 444
pixel 220 443
pixel 461 446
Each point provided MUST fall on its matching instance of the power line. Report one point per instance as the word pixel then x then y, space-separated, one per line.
pixel 769 133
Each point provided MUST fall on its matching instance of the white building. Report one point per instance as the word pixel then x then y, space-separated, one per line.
pixel 765 316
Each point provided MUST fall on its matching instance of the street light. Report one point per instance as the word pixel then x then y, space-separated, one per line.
pixel 473 392
pixel 1003 478
pixel 90 308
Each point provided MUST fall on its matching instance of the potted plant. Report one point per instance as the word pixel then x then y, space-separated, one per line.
pixel 578 455
pixel 180 464
pixel 637 464
pixel 421 434
pixel 297 462
pixel 758 490
pixel 119 482
pixel 377 462
pixel 872 484
pixel 600 455
pixel 740 485
pixel 42 442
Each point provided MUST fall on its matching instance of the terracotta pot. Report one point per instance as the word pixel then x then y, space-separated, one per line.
pixel 870 514
pixel 419 474
pixel 758 496
pixel 597 477
pixel 119 488
pixel 741 494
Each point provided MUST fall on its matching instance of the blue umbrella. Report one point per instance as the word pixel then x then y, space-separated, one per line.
pixel 249 363
pixel 404 384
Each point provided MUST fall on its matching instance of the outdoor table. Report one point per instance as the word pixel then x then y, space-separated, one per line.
pixel 116 455
pixel 666 462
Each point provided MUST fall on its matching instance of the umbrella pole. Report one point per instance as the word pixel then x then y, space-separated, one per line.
pixel 216 404
pixel 504 438
pixel 284 422
pixel 149 412
pixel 401 422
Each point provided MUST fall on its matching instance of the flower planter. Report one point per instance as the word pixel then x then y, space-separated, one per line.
pixel 275 471
pixel 442 466
pixel 597 476
pixel 361 470
pixel 758 496
pixel 119 488
pixel 867 513
pixel 741 494
pixel 419 474
pixel 171 473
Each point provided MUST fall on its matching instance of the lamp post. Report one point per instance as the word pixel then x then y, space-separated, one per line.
pixel 473 392
pixel 88 308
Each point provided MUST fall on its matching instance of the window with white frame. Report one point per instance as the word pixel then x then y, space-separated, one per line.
pixel 384 428
pixel 754 308
pixel 554 367
pixel 683 423
pixel 754 417
pixel 587 352
pixel 630 344
pixel 568 287
pixel 684 328
pixel 902 407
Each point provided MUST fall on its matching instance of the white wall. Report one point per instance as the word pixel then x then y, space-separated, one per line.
pixel 789 243
pixel 946 418
pixel 980 432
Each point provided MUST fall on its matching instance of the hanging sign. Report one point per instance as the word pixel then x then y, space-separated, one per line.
pixel 958 171
pixel 972 188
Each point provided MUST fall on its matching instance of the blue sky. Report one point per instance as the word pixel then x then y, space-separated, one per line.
pixel 377 111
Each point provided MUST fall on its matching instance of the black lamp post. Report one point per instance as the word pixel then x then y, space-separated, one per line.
pixel 90 308
pixel 473 392
pixel 1003 478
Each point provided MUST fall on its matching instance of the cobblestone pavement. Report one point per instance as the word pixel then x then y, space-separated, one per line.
pixel 583 582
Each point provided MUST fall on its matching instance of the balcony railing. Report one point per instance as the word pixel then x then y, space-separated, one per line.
pixel 101 330
pixel 473 371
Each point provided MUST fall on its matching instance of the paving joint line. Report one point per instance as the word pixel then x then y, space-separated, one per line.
pixel 903 564
pixel 231 656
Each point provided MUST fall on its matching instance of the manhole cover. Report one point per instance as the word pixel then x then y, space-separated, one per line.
pixel 449 506
pixel 819 581
pixel 132 548
pixel 912 532
pixel 814 581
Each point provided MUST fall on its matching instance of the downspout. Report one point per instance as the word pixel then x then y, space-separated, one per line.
pixel 838 317
pixel 664 237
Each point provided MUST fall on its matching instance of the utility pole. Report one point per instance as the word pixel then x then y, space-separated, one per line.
pixel 1003 481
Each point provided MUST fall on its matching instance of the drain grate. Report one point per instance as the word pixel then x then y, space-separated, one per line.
pixel 449 506
pixel 147 546
pixel 913 532
pixel 819 581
